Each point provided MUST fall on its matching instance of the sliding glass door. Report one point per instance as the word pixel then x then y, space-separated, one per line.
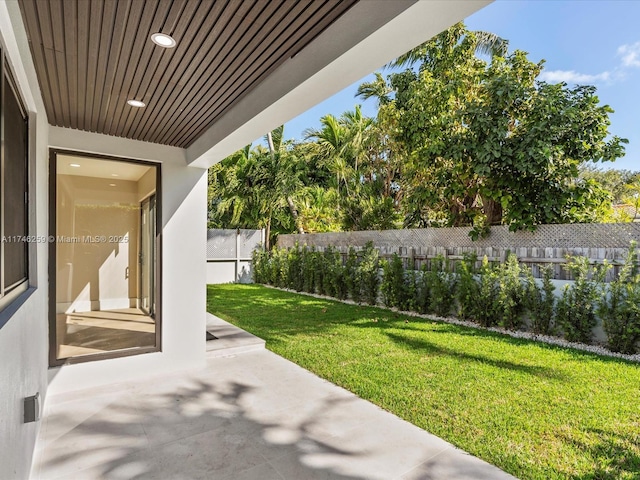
pixel 105 230
pixel 147 255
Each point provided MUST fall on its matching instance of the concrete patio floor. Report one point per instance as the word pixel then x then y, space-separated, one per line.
pixel 245 416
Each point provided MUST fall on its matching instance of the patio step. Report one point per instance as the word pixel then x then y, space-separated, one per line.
pixel 229 339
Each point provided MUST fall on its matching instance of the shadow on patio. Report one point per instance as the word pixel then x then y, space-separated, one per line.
pixel 254 416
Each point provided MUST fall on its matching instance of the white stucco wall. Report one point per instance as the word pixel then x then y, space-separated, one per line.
pixel 23 339
pixel 113 284
pixel 225 272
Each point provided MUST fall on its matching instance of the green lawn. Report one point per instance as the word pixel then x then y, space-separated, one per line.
pixel 534 410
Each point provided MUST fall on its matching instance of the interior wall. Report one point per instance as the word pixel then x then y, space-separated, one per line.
pixel 183 200
pixel 100 275
pixel 23 339
pixel 146 184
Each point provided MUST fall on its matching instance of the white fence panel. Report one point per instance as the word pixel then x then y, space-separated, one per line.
pixel 229 254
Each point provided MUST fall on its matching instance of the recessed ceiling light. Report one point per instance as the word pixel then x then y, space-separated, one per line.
pixel 136 103
pixel 163 40
pixel 74 165
pixel 115 175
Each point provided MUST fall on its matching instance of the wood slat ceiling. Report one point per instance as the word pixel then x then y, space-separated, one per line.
pixel 91 56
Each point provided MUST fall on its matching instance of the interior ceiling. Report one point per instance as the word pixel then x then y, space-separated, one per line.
pixel 99 168
pixel 91 56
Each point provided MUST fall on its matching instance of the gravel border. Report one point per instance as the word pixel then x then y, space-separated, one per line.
pixel 548 339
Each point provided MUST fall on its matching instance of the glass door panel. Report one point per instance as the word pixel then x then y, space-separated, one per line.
pixel 105 230
pixel 147 258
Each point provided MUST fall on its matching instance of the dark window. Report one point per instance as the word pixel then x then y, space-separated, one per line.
pixel 14 179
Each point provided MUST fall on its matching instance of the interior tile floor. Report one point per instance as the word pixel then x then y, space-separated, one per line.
pixel 247 416
pixel 83 333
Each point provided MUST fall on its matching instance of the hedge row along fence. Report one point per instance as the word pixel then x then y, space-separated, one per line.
pixel 549 245
pixel 502 294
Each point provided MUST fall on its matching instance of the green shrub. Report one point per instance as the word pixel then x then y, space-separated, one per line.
pixel 295 277
pixel 259 265
pixel 487 310
pixel 268 268
pixel 352 279
pixel 540 301
pixel 575 312
pixel 619 308
pixel 309 262
pixel 440 282
pixel 337 275
pixel 413 295
pixel 468 287
pixel 393 287
pixel 325 266
pixel 368 272
pixel 279 270
pixel 423 295
pixel 511 293
pixel 319 272
pixel 490 295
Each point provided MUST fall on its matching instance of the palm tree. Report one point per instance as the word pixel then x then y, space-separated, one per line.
pixel 378 89
pixel 231 192
pixel 331 149
pixel 255 187
pixel 356 127
pixel 485 43
pixel 339 145
pixel 274 141
pixel 276 183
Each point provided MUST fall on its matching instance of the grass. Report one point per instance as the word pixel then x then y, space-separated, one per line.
pixel 536 411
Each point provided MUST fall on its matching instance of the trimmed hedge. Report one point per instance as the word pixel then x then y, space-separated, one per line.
pixel 503 295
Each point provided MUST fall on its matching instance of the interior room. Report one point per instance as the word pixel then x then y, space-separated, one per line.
pixel 105 256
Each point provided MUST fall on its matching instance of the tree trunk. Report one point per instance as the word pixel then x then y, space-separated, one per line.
pixel 493 211
pixel 294 214
pixel 272 149
pixel 292 207
pixel 267 238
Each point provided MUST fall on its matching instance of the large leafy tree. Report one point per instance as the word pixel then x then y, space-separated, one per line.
pixel 624 188
pixel 620 183
pixel 490 144
pixel 465 134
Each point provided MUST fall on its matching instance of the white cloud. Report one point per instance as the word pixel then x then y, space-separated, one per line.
pixel 570 77
pixel 630 54
pixel 629 58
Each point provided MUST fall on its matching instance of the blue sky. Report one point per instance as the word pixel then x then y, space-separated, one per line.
pixel 594 42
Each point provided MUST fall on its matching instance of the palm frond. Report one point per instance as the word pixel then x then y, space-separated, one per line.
pixel 378 89
pixel 486 43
